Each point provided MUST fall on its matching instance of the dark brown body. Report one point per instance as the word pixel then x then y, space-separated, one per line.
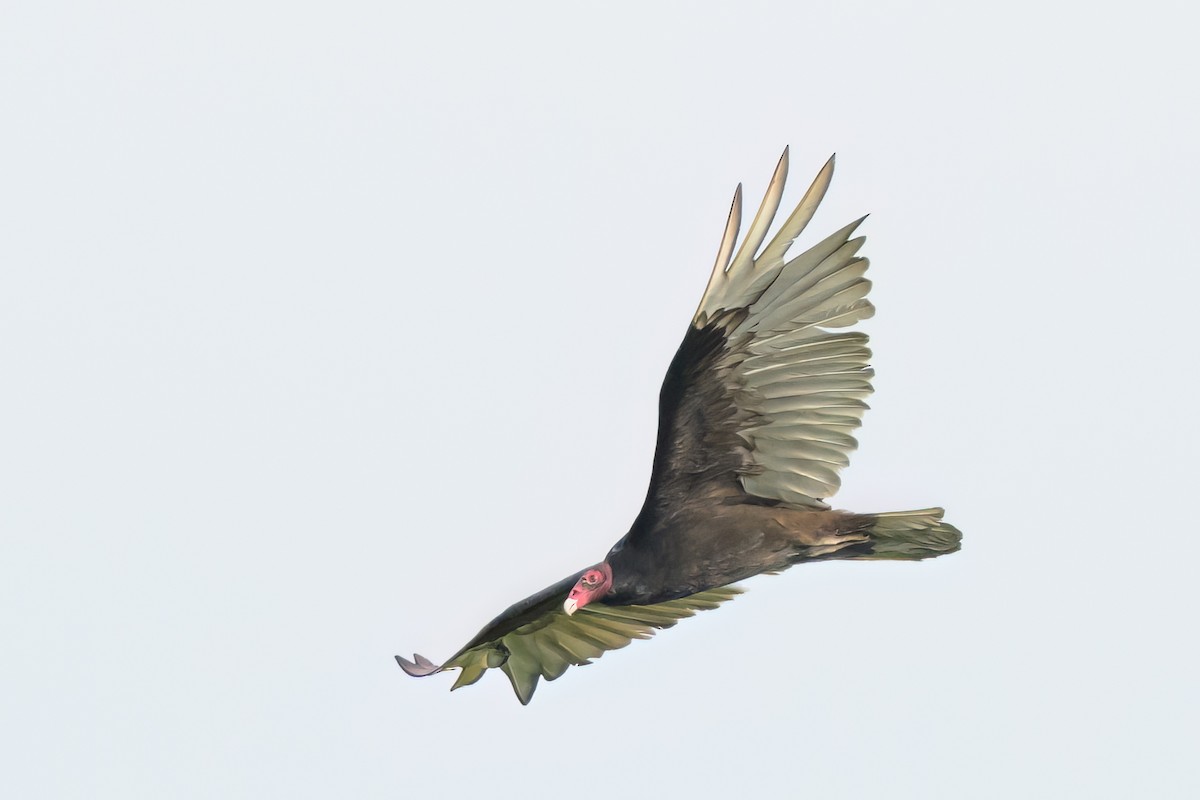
pixel 699 528
pixel 725 542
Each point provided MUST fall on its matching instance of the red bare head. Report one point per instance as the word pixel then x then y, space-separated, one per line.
pixel 596 581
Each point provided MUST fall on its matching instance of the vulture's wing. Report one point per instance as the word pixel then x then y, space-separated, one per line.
pixel 537 639
pixel 763 395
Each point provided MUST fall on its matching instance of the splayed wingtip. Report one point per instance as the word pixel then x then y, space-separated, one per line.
pixel 419 668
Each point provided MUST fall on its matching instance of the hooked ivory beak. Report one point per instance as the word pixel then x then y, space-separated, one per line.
pixel 570 606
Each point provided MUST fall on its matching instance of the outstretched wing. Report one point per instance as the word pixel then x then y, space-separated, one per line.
pixel 536 639
pixel 764 394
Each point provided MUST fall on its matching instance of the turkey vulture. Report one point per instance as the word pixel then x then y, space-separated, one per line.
pixel 755 420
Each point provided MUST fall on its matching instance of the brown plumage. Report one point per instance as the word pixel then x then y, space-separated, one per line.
pixel 755 420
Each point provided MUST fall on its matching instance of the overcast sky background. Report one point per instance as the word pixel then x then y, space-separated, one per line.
pixel 328 331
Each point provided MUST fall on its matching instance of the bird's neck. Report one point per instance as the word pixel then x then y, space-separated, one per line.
pixel 635 581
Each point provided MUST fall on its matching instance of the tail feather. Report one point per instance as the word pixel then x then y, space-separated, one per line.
pixel 911 536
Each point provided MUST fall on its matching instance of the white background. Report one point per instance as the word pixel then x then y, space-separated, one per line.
pixel 327 331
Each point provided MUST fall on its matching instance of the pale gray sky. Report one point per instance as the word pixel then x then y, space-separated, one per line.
pixel 328 331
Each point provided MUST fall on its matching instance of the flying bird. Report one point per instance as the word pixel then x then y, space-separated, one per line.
pixel 755 420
